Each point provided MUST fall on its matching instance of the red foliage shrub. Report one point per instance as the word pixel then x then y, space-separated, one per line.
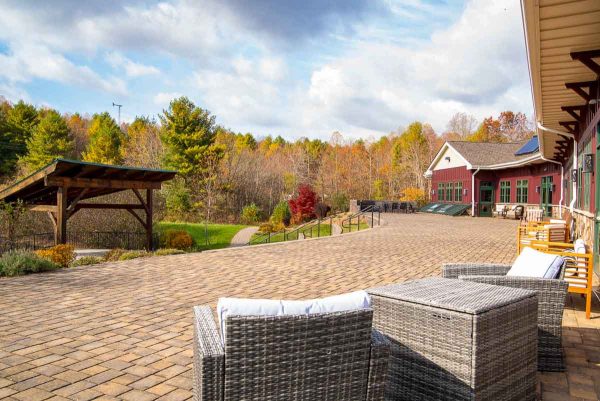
pixel 303 206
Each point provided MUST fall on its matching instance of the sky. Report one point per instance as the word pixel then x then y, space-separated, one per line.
pixel 271 67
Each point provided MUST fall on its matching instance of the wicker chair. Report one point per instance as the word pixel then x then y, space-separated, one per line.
pixel 551 303
pixel 330 356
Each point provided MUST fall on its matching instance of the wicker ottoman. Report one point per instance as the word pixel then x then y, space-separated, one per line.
pixel 458 340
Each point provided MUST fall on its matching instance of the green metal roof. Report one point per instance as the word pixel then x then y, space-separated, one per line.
pixel 449 209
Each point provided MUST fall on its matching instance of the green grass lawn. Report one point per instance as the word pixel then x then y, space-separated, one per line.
pixel 219 235
pixel 292 234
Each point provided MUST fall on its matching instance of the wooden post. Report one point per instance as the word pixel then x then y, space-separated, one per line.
pixel 149 237
pixel 60 236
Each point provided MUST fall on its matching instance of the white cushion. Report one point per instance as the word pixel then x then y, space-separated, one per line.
pixel 271 307
pixel 555 225
pixel 579 246
pixel 531 263
pixel 558 221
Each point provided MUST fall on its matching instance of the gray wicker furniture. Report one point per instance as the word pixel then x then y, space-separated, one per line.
pixel 457 340
pixel 330 356
pixel 551 303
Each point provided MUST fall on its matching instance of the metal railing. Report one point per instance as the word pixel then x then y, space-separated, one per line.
pixel 80 239
pixel 318 228
pixel 29 242
pixel 369 211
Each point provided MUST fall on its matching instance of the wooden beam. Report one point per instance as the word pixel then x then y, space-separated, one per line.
pixel 99 183
pixel 125 206
pixel 586 58
pixel 138 218
pixel 42 208
pixel 572 126
pixel 577 87
pixel 61 216
pixel 149 237
pixel 572 111
pixel 139 196
pixel 27 181
pixel 71 209
pixel 52 217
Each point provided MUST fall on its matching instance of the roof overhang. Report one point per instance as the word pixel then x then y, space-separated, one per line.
pixel 562 39
pixel 533 159
pixel 84 180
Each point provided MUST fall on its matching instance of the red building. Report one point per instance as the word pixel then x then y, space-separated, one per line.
pixel 486 175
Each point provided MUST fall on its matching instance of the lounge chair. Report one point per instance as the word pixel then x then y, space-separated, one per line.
pixel 551 301
pixel 325 356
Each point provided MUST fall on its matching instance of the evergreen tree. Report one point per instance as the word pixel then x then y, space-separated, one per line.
pixel 188 132
pixel 106 139
pixel 188 135
pixel 51 139
pixel 16 126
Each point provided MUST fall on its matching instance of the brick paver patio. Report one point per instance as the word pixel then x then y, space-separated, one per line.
pixel 123 330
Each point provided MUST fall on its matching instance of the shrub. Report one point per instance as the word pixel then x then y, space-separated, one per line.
pixel 340 202
pixel 61 254
pixel 250 214
pixel 303 206
pixel 87 260
pixel 16 263
pixel 321 210
pixel 269 227
pixel 281 214
pixel 168 251
pixel 114 254
pixel 177 239
pixel 133 255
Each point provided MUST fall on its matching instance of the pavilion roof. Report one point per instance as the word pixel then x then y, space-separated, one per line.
pixel 85 180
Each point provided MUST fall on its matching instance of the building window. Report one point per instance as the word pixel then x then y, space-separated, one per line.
pixel 440 191
pixel 522 191
pixel 448 192
pixel 504 191
pixel 458 192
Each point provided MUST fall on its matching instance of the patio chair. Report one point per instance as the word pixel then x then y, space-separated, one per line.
pixel 534 214
pixel 326 356
pixel 501 211
pixel 541 231
pixel 579 269
pixel 551 301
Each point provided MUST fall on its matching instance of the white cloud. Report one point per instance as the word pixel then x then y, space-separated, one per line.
pixel 164 98
pixel 474 65
pixel 131 68
pixel 31 61
pixel 249 94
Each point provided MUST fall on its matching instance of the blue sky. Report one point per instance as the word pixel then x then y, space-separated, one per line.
pixel 280 67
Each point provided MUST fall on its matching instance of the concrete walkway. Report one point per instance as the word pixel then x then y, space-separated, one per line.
pixel 243 236
pixel 123 330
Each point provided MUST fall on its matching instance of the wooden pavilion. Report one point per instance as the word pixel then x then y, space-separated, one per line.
pixel 61 188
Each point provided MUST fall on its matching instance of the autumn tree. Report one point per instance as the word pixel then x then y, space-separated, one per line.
pixel 460 126
pixel 303 205
pixel 78 125
pixel 106 139
pixel 143 146
pixel 411 155
pixel 51 139
pixel 509 127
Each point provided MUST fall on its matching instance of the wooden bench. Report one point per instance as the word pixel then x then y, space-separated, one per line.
pixel 579 269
